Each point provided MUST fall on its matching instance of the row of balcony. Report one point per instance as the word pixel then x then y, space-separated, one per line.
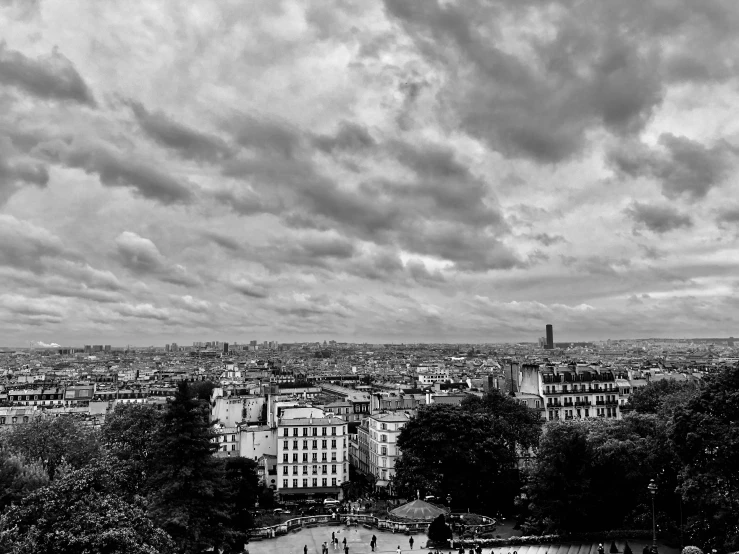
pixel 582 391
pixel 583 404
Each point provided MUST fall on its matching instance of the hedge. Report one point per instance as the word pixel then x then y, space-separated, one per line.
pixel 549 539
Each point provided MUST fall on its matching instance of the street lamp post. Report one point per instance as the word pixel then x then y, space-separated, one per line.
pixel 653 490
pixel 449 502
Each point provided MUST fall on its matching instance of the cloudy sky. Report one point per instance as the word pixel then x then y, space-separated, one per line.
pixel 365 171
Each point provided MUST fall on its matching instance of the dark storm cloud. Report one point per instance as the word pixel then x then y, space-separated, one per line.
pixel 117 169
pixel 658 219
pixel 223 241
pixel 728 217
pixel 548 240
pixel 53 77
pixel 441 193
pixel 350 136
pixel 265 136
pixel 594 64
pixel 318 246
pixel 188 142
pixel 682 166
pixel 541 103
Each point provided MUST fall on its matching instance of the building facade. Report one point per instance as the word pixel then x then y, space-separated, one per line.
pixel 383 431
pixel 312 456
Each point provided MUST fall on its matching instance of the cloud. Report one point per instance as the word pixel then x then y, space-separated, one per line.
pixel 350 136
pixel 17 170
pixel 32 308
pixel 41 344
pixel 658 219
pixel 248 288
pixel 682 166
pixel 141 256
pixel 191 304
pixel 118 169
pixel 142 311
pixel 728 217
pixel 537 95
pixel 188 142
pixel 549 240
pixel 223 241
pixel 26 246
pixel 52 77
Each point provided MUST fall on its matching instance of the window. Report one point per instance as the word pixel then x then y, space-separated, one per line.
pixel 315 431
pixel 225 447
pixel 383 451
pixel 344 443
pixel 333 430
pixel 233 447
pixel 333 443
pixel 315 457
pixel 323 457
pixel 305 445
pixel 284 483
pixel 333 482
pixel 315 482
pixel 285 432
pixel 295 483
pixel 333 468
pixel 285 445
pixel 323 431
pixel 323 444
pixel 333 456
pixel 383 438
pixel 323 482
pixel 305 457
pixel 324 469
pixel 305 431
pixel 315 445
pixel 305 470
pixel 295 445
pixel 284 458
pixel 295 431
pixel 305 482
pixel 285 470
pixel 383 426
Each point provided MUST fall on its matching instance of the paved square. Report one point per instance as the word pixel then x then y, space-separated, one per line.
pixel 357 538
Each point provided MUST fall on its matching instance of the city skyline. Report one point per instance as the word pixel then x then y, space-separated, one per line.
pixel 456 172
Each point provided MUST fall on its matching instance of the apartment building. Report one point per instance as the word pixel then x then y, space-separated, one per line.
pixel 382 438
pixel 312 454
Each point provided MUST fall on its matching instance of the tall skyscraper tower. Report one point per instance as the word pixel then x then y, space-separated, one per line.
pixel 550 337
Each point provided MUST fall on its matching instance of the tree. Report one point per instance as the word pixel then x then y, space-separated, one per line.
pixel 705 435
pixel 189 497
pixel 469 451
pixel 439 532
pixel 79 512
pixel 52 440
pixel 202 390
pixel 242 478
pixel 651 398
pixel 594 474
pixel 129 436
pixel 18 478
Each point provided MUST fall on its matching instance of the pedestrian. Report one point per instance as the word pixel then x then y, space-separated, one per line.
pixel 410 541
pixel 398 550
pixel 346 549
pixel 373 542
pixel 305 549
pixel 601 550
pixel 333 536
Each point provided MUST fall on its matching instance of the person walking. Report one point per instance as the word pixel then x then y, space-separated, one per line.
pixel 410 542
pixel 346 549
pixel 373 542
pixel 601 550
pixel 398 550
pixel 305 549
pixel 344 541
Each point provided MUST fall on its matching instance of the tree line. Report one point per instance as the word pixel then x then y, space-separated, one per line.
pixel 146 482
pixel 589 475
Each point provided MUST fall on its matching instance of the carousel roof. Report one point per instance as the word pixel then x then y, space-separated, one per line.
pixel 417 510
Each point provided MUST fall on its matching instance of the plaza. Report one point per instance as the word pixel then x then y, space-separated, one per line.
pixel 358 539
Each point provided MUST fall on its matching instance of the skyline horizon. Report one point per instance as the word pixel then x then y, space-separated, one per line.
pixel 190 344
